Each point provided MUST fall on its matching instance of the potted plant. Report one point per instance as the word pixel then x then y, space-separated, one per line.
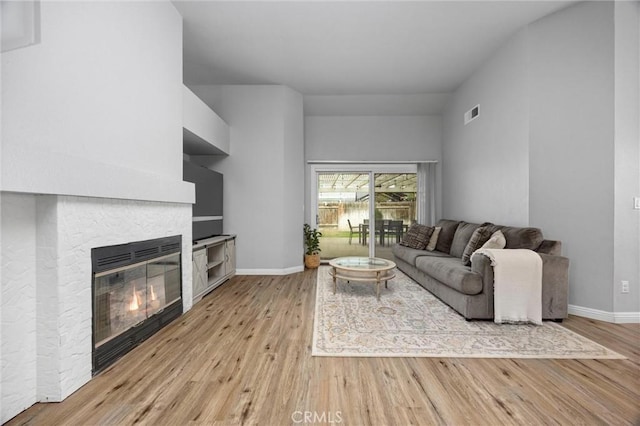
pixel 312 242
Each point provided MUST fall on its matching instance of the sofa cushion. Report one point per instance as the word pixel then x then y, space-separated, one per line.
pixel 447 231
pixel 480 236
pixel 461 238
pixel 410 255
pixel 451 272
pixel 417 236
pixel 522 238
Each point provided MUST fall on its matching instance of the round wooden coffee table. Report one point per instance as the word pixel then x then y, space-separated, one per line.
pixel 364 269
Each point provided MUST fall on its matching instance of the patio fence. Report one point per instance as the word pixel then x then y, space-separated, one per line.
pixel 335 214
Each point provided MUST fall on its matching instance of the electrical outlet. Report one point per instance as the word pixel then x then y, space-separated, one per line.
pixel 636 203
pixel 625 287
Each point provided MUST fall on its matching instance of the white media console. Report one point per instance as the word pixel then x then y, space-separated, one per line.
pixel 214 262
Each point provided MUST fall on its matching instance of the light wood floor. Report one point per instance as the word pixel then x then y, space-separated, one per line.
pixel 243 356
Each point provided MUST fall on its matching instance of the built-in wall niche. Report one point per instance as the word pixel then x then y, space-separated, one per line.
pixel 203 131
pixel 208 208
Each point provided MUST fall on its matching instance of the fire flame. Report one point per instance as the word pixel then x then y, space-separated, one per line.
pixel 153 294
pixel 135 300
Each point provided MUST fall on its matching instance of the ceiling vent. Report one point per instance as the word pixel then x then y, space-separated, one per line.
pixel 472 114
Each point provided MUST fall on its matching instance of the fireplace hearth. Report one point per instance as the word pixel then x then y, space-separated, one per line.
pixel 137 290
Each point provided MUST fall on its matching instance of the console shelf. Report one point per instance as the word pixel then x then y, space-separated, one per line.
pixel 214 264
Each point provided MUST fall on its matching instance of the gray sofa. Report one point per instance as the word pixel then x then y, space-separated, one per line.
pixel 469 289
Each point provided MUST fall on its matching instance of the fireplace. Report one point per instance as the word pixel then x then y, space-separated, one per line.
pixel 137 290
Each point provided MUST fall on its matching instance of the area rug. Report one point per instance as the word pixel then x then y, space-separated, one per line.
pixel 408 321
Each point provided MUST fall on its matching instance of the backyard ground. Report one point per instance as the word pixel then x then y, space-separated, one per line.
pixel 335 243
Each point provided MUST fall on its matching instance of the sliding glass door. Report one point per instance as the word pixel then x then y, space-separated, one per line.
pixel 363 210
pixel 395 209
pixel 342 213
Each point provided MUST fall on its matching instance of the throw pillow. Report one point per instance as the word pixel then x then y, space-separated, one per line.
pixel 446 234
pixel 479 237
pixel 417 236
pixel 461 238
pixel 496 241
pixel 434 238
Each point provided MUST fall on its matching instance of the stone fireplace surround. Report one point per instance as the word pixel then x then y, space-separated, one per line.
pixel 46 284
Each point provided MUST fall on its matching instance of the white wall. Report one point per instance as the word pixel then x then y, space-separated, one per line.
pixel 93 110
pixel 97 104
pixel 485 163
pixel 18 338
pixel 561 141
pixel 627 156
pixel 373 138
pixel 262 186
pixel 1 239
pixel 572 143
pixel 293 178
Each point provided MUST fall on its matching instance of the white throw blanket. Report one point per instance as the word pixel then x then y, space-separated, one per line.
pixel 517 288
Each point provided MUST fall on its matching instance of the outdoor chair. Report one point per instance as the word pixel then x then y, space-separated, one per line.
pixel 353 231
pixel 395 229
pixel 382 227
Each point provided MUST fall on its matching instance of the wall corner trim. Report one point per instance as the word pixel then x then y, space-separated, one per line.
pixel 284 271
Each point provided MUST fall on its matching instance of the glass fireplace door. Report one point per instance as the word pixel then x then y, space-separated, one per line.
pixel 119 301
pixel 129 295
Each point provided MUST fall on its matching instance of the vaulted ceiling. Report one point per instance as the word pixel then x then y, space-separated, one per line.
pixel 349 48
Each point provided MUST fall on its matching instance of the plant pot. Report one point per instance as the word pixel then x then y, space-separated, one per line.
pixel 312 261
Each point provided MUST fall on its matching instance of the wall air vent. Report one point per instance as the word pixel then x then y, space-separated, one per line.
pixel 472 114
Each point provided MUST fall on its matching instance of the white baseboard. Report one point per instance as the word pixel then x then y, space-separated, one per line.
pixel 613 317
pixel 285 271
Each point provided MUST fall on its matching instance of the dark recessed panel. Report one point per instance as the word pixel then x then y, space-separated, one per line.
pixel 209 186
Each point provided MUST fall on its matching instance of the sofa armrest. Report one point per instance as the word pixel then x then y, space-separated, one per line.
pixel 555 286
pixel 482 265
pixel 555 283
pixel 552 247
